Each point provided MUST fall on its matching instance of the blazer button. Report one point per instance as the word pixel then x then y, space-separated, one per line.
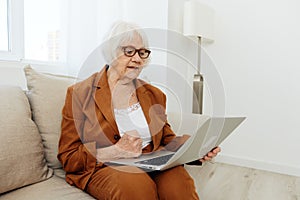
pixel 117 137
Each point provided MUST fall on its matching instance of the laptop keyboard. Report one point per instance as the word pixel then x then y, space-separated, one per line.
pixel 156 161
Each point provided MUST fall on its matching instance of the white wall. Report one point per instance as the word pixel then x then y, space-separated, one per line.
pixel 256 52
pixel 11 72
pixel 180 76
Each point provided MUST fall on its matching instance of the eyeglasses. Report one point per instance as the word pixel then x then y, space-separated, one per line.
pixel 131 51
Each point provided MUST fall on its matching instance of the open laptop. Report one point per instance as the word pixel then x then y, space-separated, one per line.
pixel 208 133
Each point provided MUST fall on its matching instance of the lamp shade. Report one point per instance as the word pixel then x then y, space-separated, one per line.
pixel 198 20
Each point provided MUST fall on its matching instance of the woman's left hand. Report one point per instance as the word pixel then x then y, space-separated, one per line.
pixel 210 155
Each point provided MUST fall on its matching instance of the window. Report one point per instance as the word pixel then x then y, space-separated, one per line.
pixel 11 29
pixel 31 30
pixel 56 32
pixel 3 26
pixel 43 30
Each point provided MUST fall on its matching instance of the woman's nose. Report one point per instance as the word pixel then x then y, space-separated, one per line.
pixel 136 58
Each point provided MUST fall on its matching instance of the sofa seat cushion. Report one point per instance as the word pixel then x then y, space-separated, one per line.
pixel 22 160
pixel 60 173
pixel 46 94
pixel 53 188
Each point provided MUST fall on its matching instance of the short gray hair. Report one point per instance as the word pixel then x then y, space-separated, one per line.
pixel 119 33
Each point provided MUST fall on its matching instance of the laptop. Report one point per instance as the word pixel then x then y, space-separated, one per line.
pixel 208 133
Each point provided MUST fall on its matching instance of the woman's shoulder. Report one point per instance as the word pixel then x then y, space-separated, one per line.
pixel 92 81
pixel 85 84
pixel 84 89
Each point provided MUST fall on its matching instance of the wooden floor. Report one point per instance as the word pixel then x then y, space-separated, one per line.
pixel 227 182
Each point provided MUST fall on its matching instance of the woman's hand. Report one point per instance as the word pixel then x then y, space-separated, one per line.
pixel 130 145
pixel 210 155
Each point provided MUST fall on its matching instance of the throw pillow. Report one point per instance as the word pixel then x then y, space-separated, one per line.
pixel 46 94
pixel 22 160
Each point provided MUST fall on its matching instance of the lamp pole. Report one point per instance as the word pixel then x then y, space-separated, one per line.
pixel 198 84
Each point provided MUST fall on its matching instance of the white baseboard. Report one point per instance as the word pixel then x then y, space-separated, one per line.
pixel 261 165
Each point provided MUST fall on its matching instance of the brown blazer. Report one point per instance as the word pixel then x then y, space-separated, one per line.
pixel 88 123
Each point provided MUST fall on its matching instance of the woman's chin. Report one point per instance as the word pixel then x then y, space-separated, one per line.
pixel 128 77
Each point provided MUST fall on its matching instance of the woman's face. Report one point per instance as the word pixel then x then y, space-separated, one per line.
pixel 129 68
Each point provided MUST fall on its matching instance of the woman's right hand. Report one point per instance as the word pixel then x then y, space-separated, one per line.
pixel 130 145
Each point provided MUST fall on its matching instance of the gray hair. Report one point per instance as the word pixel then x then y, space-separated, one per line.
pixel 120 33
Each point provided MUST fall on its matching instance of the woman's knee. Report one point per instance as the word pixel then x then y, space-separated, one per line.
pixel 175 184
pixel 136 186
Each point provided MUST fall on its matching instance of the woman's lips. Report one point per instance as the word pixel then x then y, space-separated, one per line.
pixel 132 67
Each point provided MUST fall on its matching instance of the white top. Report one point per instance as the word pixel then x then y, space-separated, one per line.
pixel 133 118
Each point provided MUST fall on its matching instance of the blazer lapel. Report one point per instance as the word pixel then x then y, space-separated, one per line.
pixel 103 100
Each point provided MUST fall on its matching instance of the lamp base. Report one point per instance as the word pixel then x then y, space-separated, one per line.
pixel 198 94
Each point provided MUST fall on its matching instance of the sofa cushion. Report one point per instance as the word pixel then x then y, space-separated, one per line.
pixel 22 159
pixel 53 188
pixel 47 95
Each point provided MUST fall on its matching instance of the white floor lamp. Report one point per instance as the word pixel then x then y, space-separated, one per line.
pixel 198 21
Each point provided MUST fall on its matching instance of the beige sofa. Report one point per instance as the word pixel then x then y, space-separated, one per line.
pixel 29 131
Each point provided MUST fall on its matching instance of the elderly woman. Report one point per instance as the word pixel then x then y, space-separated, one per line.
pixel 113 114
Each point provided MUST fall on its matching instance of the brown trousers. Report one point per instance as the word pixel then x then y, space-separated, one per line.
pixel 131 183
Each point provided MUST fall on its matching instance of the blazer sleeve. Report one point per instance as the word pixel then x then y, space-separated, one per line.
pixel 74 155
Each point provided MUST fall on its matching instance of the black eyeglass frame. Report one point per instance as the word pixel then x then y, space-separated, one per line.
pixel 139 51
